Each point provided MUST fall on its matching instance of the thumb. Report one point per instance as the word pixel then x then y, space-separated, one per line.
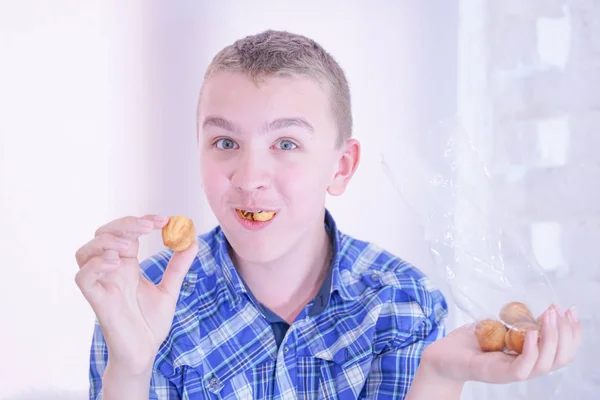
pixel 178 266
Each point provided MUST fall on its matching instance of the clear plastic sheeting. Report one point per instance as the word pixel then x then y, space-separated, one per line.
pixel 481 246
pixel 487 259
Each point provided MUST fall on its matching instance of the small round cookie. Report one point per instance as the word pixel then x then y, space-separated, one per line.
pixel 179 233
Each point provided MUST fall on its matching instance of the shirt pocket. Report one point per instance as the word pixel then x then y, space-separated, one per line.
pixel 253 383
pixel 329 374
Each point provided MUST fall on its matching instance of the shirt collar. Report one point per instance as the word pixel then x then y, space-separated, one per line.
pixel 332 283
pixel 233 281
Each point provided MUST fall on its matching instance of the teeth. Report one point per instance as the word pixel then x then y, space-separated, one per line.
pixel 259 215
pixel 263 216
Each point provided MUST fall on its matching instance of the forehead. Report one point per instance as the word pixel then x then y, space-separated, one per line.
pixel 236 96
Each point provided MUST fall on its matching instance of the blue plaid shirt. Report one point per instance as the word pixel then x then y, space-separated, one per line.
pixel 361 337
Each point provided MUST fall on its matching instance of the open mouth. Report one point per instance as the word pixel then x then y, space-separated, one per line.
pixel 257 216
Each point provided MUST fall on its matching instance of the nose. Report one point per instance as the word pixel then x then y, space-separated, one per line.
pixel 251 173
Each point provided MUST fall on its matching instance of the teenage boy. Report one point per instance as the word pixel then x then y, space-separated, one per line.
pixel 275 302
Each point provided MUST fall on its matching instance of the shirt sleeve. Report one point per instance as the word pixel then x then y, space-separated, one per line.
pixel 160 387
pixel 392 371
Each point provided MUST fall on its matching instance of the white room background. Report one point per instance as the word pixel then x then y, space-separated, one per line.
pixel 97 107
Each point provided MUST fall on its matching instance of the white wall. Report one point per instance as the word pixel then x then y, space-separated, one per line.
pixel 73 155
pixel 98 102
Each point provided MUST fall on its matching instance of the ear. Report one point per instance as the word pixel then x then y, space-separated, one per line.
pixel 345 168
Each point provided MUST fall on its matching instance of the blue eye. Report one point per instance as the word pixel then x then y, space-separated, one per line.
pixel 225 144
pixel 287 145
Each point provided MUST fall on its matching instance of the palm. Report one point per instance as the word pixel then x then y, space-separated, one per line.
pixel 459 357
pixel 464 360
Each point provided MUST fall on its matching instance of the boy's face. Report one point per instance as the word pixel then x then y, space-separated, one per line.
pixel 270 147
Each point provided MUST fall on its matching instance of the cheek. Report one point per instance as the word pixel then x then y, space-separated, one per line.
pixel 302 182
pixel 214 181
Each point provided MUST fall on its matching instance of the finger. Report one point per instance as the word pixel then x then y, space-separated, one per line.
pixel 178 267
pixel 576 330
pixel 106 241
pixel 159 221
pixel 523 365
pixel 548 343
pixel 565 341
pixel 87 278
pixel 133 227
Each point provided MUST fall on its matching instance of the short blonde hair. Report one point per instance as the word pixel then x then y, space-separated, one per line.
pixel 281 53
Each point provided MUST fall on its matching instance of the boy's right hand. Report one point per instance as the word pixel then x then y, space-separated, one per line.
pixel 135 315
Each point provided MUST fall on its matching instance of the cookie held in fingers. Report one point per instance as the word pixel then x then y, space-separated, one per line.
pixel 179 233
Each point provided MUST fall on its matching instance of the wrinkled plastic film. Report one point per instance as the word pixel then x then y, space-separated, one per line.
pixel 474 239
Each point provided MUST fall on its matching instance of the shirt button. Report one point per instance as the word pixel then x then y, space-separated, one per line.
pixel 214 382
pixel 286 349
pixel 375 276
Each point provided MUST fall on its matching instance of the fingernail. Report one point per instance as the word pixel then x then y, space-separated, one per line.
pixel 159 218
pixel 145 223
pixel 560 311
pixel 552 317
pixel 533 337
pixel 573 315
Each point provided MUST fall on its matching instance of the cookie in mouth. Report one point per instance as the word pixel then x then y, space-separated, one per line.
pixel 257 216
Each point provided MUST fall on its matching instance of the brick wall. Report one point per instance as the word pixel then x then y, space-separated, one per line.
pixel 529 96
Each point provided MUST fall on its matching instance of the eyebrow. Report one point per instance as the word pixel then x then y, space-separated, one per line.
pixel 282 123
pixel 279 123
pixel 220 123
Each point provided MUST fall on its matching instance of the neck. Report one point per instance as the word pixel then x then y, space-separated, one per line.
pixel 286 285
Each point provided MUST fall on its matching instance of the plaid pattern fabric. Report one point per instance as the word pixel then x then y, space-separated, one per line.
pixel 364 341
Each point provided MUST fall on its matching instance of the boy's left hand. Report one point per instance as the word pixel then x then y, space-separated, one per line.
pixel 458 357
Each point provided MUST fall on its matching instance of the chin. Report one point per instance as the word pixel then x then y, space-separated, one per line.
pixel 257 247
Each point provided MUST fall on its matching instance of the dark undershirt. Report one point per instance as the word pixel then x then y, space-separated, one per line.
pixel 278 325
